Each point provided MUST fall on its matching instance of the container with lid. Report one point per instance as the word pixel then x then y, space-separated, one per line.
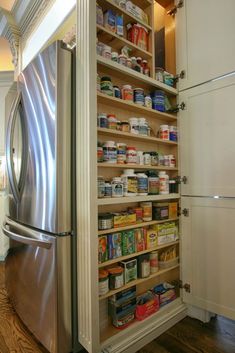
pixel 117 187
pixel 159 72
pixel 110 152
pixel 142 180
pixel 117 92
pixel 147 211
pixel 102 120
pixel 107 189
pixel 129 179
pixel 164 132
pixel 134 125
pixel 139 96
pixel 127 93
pixel 131 155
pixel 122 59
pixel 148 102
pixel 153 181
pixel 100 154
pixel 105 221
pixel 166 160
pixel 115 277
pixel 160 211
pixel 173 133
pixel 139 62
pixel 129 63
pixel 121 153
pixel 112 121
pixel 147 158
pixel 135 65
pixel 140 157
pixel 114 56
pixel 144 266
pixel 163 183
pixel 158 100
pixel 107 52
pixel 154 158
pixel 146 69
pixel 154 262
pixel 106 85
pixel 101 187
pixel 143 127
pixel 124 126
pixel 103 282
pixel 173 186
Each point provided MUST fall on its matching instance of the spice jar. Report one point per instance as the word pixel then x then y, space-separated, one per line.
pixel 114 56
pixel 129 182
pixel 110 152
pixel 131 155
pixel 147 211
pixel 145 67
pixel 117 187
pixel 100 154
pixel 105 221
pixel 112 122
pixel 127 93
pixel 140 157
pixel 103 282
pixel 139 62
pixel 106 85
pixel 115 277
pixel 101 186
pixel 107 52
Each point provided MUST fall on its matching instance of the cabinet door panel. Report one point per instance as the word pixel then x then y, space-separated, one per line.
pixel 205 48
pixel 208 261
pixel 207 144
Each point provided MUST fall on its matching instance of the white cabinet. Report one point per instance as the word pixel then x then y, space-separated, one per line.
pixel 205 48
pixel 208 262
pixel 207 143
pixel 6 79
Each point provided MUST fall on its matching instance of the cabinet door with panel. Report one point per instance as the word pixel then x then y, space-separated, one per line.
pixel 204 46
pixel 208 261
pixel 207 144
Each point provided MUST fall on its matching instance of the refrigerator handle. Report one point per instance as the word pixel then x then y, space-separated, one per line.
pixel 9 146
pixel 35 241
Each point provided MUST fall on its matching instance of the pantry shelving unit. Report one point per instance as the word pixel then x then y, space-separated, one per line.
pixel 108 337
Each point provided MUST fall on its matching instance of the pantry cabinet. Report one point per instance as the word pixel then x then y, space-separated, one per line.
pixel 202 123
pixel 203 43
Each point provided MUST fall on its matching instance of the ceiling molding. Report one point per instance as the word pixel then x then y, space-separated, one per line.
pixel 10 31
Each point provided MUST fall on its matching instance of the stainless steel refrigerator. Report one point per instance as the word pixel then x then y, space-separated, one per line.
pixel 39 204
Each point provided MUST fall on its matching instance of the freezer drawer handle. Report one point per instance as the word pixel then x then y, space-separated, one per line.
pixel 26 240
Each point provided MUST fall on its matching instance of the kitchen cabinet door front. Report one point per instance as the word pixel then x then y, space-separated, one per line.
pixel 208 262
pixel 205 49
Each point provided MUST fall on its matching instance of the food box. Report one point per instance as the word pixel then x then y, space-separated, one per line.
pixel 136 11
pixel 121 321
pixel 130 270
pixel 102 250
pixel 147 304
pixel 110 20
pixel 173 209
pixel 165 292
pixel 123 219
pixel 115 309
pixel 167 232
pixel 124 295
pixel 139 239
pixel 151 238
pixel 128 242
pixel 114 245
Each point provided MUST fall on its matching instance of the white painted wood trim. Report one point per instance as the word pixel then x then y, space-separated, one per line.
pixel 88 304
pixel 6 78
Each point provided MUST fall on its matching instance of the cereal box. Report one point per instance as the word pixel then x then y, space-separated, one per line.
pixel 114 245
pixel 102 250
pixel 128 242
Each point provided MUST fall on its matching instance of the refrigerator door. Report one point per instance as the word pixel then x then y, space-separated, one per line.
pixel 38 281
pixel 41 194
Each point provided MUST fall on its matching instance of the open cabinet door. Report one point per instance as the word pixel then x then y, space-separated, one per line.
pixel 208 261
pixel 204 48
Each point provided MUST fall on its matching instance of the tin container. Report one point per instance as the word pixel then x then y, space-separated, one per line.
pixel 115 277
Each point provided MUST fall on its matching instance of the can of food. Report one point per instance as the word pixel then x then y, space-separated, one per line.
pixel 153 262
pixel 105 221
pixel 147 211
pixel 115 277
pixel 103 282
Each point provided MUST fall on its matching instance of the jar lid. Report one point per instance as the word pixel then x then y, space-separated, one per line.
pixel 119 179
pixel 118 270
pixel 103 274
pixel 152 173
pixel 106 78
pixel 100 177
pixel 129 171
pixel 138 89
pixel 112 116
pixel 105 216
pixel 127 87
pixel 124 123
pixel 131 148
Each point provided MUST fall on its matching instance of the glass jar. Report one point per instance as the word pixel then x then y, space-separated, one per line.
pixel 139 96
pixel 115 277
pixel 147 211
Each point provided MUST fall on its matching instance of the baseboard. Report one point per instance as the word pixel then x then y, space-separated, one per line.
pixel 198 313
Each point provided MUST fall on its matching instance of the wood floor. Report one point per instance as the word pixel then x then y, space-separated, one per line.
pixel 188 336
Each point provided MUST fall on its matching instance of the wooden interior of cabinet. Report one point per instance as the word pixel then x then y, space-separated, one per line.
pixel 164 36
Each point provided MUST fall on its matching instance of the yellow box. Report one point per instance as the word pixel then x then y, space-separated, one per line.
pixel 173 209
pixel 151 238
pixel 122 219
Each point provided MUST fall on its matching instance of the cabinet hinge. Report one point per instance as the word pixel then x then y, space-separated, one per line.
pixel 180 75
pixel 179 107
pixel 185 286
pixel 174 9
pixel 181 180
pixel 185 212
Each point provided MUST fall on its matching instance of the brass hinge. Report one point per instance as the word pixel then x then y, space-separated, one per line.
pixel 181 180
pixel 174 9
pixel 185 286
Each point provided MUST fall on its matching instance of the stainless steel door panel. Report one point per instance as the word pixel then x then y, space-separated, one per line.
pixel 38 282
pixel 45 85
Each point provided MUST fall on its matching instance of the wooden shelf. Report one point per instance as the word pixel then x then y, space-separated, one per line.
pixel 139 78
pixel 112 331
pixel 130 199
pixel 117 42
pixel 136 225
pixel 137 282
pixel 143 4
pixel 135 166
pixel 136 137
pixel 132 107
pixel 122 258
pixel 127 16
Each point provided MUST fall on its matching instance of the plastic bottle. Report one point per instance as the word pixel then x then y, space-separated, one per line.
pixel 129 179
pixel 142 180
pixel 163 183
